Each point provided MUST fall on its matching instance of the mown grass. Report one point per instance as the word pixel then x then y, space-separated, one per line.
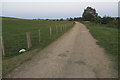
pixel 107 38
pixel 14 34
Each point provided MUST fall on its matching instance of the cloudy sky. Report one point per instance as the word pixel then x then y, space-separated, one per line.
pixel 56 9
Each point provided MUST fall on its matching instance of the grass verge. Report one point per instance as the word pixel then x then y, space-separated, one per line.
pixel 107 38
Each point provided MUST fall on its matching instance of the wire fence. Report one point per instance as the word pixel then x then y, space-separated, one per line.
pixel 30 40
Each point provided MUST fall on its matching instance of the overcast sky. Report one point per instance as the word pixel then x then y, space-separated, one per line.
pixel 55 10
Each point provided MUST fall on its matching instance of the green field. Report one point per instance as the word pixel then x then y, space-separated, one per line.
pixel 107 38
pixel 14 33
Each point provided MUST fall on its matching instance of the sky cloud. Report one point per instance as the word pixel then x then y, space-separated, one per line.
pixel 59 0
pixel 56 9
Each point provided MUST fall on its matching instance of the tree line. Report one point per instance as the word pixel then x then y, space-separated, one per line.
pixel 90 15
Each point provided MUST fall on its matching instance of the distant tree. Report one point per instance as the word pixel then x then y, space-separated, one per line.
pixel 57 19
pixel 47 19
pixel 78 19
pixel 98 20
pixel 106 20
pixel 71 19
pixel 90 14
pixel 61 19
pixel 67 19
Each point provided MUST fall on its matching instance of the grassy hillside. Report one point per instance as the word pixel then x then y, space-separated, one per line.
pixel 107 38
pixel 14 33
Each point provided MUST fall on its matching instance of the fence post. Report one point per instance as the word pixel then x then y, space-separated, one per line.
pixel 50 31
pixel 2 46
pixel 28 40
pixel 39 35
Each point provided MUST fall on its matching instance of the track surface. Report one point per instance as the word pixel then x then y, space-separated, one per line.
pixel 73 55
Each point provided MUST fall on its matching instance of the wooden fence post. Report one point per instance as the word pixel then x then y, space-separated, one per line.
pixel 28 40
pixel 50 31
pixel 2 46
pixel 39 35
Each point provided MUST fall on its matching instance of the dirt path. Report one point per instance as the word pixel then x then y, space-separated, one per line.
pixel 73 55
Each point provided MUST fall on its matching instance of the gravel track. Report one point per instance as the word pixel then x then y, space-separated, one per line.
pixel 74 55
